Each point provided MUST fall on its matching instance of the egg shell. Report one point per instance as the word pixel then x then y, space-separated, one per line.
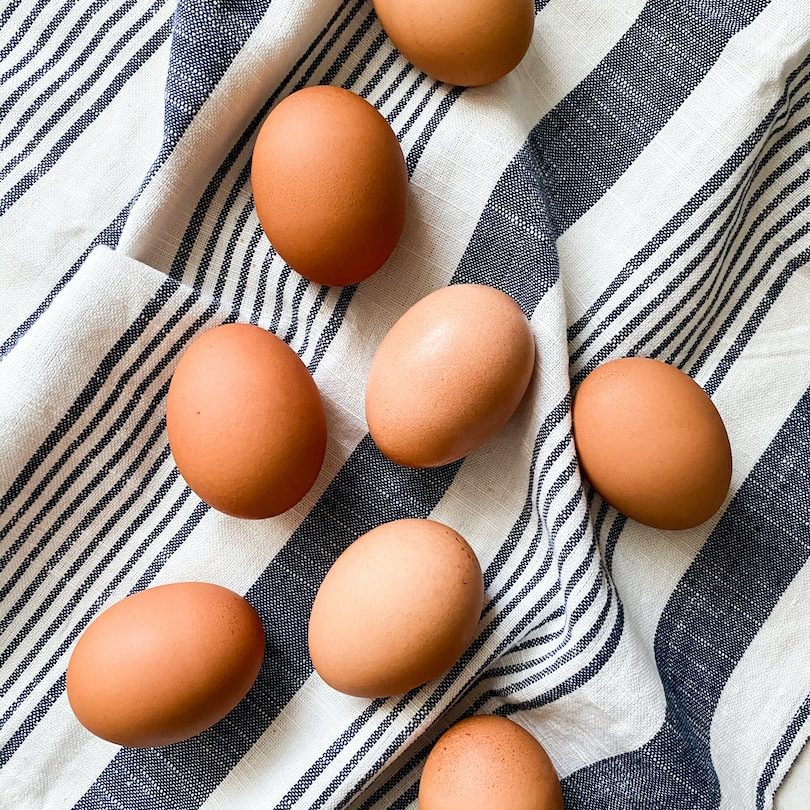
pixel 489 763
pixel 463 42
pixel 448 375
pixel 652 443
pixel 245 422
pixel 165 664
pixel 330 185
pixel 397 609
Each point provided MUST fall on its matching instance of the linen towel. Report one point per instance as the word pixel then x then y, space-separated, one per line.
pixel 639 184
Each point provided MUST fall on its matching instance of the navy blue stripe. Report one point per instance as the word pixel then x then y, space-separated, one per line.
pixel 778 754
pixel 728 592
pixel 721 280
pixel 47 68
pixel 80 405
pixel 766 302
pixel 84 399
pixel 25 27
pixel 50 697
pixel 616 631
pixel 778 114
pixel 717 278
pixel 99 502
pixel 101 373
pixel 514 536
pixel 205 39
pixel 786 243
pixel 80 91
pixel 736 195
pixel 123 446
pixel 89 115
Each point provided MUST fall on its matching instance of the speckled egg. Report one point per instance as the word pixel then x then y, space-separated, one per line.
pixel 489 763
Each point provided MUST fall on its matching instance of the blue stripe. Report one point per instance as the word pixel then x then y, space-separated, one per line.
pixel 47 68
pixel 713 615
pixel 778 754
pixel 83 399
pixel 342 303
pixel 23 29
pixel 776 117
pixel 735 195
pixel 615 634
pixel 108 236
pixel 87 117
pixel 205 39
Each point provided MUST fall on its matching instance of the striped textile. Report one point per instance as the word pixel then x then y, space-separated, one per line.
pixel 640 184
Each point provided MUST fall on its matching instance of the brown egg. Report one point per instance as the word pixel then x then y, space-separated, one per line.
pixel 449 375
pixel 165 664
pixel 397 609
pixel 489 763
pixel 330 185
pixel 464 42
pixel 651 443
pixel 245 421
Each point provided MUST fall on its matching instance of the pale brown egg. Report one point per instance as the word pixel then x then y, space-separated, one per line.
pixel 463 42
pixel 449 375
pixel 489 763
pixel 165 664
pixel 397 609
pixel 330 185
pixel 652 443
pixel 246 423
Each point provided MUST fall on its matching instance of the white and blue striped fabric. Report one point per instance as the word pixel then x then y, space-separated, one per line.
pixel 640 184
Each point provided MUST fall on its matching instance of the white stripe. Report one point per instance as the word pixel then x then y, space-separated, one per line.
pixel 285 31
pixel 741 742
pixel 719 114
pixel 54 221
pixel 39 56
pixel 90 97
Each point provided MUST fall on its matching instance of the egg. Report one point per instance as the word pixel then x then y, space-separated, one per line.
pixel 652 443
pixel 397 609
pixel 245 422
pixel 489 763
pixel 464 42
pixel 165 664
pixel 448 375
pixel 330 185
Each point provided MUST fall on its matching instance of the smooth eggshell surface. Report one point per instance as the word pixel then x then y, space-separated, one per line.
pixel 397 609
pixel 463 42
pixel 330 185
pixel 652 443
pixel 488 763
pixel 245 421
pixel 165 664
pixel 448 375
